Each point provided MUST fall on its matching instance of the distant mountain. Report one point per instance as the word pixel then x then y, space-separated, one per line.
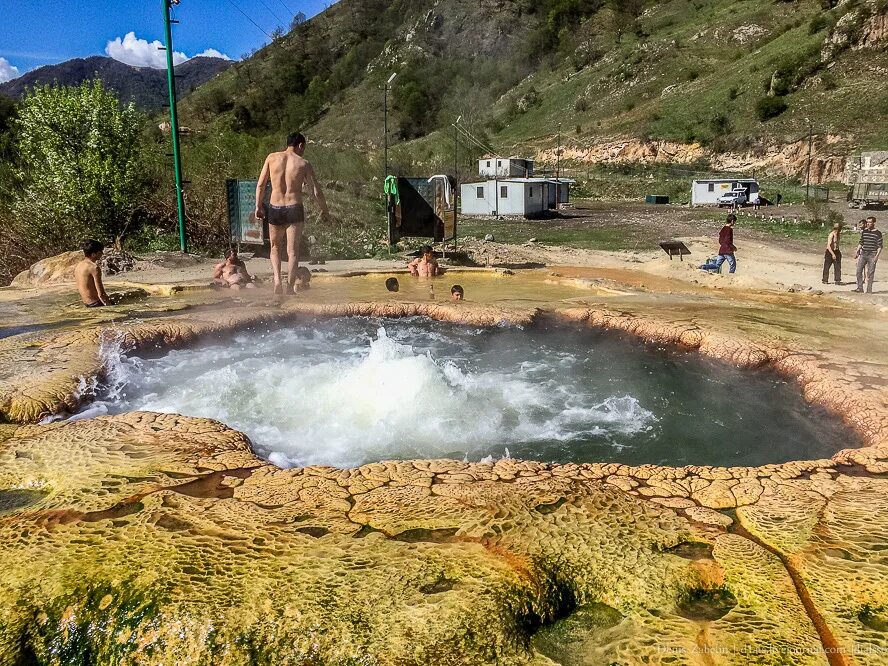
pixel 143 85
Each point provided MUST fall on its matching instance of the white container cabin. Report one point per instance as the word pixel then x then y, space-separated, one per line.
pixel 706 192
pixel 527 197
pixel 505 167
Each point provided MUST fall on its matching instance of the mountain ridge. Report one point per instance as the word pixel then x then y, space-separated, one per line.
pixel 146 87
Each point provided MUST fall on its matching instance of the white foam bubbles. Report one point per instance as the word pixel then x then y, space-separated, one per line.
pixel 343 395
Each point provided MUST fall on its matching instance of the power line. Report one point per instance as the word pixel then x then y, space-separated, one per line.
pixel 247 16
pixel 289 11
pixel 485 148
pixel 270 11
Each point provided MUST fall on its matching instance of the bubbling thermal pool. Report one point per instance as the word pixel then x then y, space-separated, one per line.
pixel 349 391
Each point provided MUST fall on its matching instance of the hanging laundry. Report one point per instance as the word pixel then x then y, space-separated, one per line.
pixel 391 188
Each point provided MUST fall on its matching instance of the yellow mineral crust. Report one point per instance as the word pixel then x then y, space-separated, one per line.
pixel 144 538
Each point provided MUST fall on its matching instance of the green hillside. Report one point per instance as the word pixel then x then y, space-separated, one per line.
pixel 641 97
pixel 700 71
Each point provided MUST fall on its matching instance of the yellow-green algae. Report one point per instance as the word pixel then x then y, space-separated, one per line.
pixel 147 538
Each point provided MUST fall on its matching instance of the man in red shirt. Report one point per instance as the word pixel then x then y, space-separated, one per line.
pixel 726 247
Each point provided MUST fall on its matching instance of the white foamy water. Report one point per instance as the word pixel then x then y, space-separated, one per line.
pixel 351 391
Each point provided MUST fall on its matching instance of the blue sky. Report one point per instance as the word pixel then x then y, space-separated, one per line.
pixel 44 32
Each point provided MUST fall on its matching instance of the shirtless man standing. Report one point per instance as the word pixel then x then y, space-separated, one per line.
pixel 88 276
pixel 288 172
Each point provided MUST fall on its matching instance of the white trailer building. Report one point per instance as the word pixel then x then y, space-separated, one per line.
pixel 707 192
pixel 505 167
pixel 528 197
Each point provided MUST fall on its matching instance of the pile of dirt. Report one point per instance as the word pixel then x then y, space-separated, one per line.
pixel 117 261
pixel 491 253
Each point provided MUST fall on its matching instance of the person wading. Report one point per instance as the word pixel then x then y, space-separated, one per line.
pixel 832 257
pixel 867 254
pixel 287 172
pixel 726 246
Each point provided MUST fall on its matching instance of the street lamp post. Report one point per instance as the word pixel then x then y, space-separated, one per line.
pixel 455 151
pixel 558 170
pixel 385 124
pixel 808 167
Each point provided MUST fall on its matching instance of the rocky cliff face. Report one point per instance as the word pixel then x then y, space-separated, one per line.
pixel 827 161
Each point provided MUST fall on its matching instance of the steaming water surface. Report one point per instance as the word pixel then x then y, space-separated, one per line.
pixel 349 391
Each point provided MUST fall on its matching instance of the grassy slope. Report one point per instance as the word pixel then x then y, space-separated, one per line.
pixel 624 91
pixel 688 49
pixel 685 79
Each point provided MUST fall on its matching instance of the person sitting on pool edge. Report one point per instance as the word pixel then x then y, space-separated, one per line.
pixel 232 272
pixel 457 293
pixel 392 284
pixel 88 276
pixel 424 265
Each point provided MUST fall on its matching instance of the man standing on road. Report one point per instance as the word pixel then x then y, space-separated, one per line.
pixel 287 172
pixel 833 255
pixel 867 254
pixel 726 247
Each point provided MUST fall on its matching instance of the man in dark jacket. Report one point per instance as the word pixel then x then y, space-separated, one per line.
pixel 726 247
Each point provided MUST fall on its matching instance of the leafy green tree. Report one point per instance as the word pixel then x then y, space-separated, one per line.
pixel 78 166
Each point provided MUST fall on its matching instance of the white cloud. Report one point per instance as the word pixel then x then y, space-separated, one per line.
pixel 142 53
pixel 7 71
pixel 212 53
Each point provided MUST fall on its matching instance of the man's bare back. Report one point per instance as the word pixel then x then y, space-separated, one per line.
pixel 88 276
pixel 287 172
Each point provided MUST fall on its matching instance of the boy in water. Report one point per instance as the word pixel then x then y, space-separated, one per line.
pixel 88 276
pixel 303 279
pixel 457 293
pixel 392 284
pixel 425 265
pixel 232 272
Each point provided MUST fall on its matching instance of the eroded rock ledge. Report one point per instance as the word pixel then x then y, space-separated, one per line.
pixel 127 539
pixel 131 538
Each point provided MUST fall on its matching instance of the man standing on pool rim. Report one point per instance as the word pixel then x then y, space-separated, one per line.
pixel 288 172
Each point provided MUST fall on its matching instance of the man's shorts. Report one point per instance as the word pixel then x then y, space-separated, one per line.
pixel 284 216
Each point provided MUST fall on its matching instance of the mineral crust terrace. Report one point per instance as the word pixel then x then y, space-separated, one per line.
pixel 150 538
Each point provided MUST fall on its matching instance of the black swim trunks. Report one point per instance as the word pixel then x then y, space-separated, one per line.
pixel 95 304
pixel 282 216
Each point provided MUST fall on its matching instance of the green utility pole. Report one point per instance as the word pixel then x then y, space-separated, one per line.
pixel 174 122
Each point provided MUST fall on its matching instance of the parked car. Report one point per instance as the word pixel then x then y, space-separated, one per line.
pixel 732 198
